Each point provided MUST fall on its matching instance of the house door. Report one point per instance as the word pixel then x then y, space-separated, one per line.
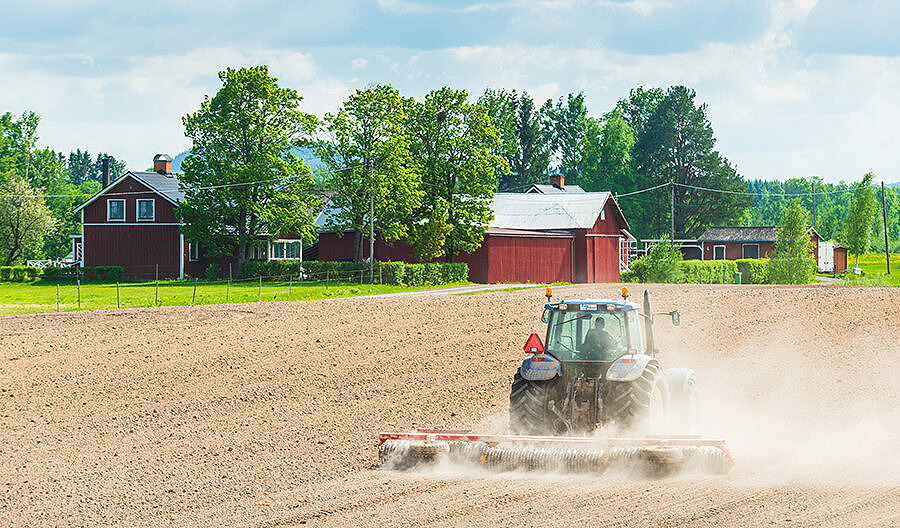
pixel 826 257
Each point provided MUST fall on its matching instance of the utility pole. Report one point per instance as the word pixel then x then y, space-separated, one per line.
pixel 672 211
pixel 371 222
pixel 887 248
pixel 812 183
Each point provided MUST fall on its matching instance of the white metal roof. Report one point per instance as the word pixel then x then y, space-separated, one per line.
pixel 547 211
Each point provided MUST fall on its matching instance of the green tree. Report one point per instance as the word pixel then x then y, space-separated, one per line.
pixel 792 261
pixel 532 158
pixel 241 180
pixel 858 229
pixel 24 220
pixel 662 263
pixel 18 139
pixel 501 107
pixel 676 145
pixel 369 132
pixel 454 143
pixel 568 125
pixel 639 107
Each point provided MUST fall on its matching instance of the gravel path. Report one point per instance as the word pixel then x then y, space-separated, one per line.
pixel 266 414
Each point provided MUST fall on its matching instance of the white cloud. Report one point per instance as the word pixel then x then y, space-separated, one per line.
pixel 359 64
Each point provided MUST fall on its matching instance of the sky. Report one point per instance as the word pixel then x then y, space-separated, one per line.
pixel 794 88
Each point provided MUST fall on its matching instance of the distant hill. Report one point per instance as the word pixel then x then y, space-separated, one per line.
pixel 305 153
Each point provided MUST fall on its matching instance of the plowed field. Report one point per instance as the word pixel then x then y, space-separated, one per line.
pixel 266 414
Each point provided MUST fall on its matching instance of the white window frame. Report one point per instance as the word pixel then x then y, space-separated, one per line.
pixel 284 241
pixel 124 211
pixel 603 213
pixel 153 207
pixel 744 253
pixel 723 252
pixel 193 251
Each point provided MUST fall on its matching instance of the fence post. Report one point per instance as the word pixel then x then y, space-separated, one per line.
pixel 156 298
pixel 194 296
pixel 118 305
pixel 259 291
pixel 57 296
pixel 290 284
pixel 78 285
pixel 380 274
pixel 361 277
pixel 228 285
pixel 327 278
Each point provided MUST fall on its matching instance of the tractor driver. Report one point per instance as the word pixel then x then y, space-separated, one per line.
pixel 598 343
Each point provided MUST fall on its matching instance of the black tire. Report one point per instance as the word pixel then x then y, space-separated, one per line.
pixel 528 406
pixel 638 405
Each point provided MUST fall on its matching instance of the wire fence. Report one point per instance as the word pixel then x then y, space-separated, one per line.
pixel 75 294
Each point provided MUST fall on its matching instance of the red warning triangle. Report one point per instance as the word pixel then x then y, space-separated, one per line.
pixel 534 345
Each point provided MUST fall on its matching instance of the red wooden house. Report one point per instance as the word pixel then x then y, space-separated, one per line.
pixel 131 223
pixel 538 238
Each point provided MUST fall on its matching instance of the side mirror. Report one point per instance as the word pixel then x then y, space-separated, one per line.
pixel 545 317
pixel 676 318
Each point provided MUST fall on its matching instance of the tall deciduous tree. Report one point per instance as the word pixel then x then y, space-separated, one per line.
pixel 18 139
pixel 792 261
pixel 501 106
pixel 24 219
pixel 369 132
pixel 455 144
pixel 676 145
pixel 568 125
pixel 241 180
pixel 862 213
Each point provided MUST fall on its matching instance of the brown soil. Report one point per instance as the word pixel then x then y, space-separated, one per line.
pixel 266 414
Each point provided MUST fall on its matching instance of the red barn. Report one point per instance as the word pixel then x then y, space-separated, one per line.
pixel 132 223
pixel 538 238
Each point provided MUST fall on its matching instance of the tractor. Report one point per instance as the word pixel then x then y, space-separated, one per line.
pixel 599 368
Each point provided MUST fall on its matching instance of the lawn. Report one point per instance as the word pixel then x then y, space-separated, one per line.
pixel 874 267
pixel 41 296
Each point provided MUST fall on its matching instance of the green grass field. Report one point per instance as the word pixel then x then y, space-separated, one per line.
pixel 874 266
pixel 40 296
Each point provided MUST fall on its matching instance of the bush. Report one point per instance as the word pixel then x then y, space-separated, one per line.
pixel 628 276
pixel 708 271
pixel 396 273
pixel 660 264
pixel 212 272
pixel 112 273
pixel 791 270
pixel 753 271
pixel 19 273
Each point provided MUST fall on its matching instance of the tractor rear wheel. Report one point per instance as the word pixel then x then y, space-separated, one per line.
pixel 642 404
pixel 529 412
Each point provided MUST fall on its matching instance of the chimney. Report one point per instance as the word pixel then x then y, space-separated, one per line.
pixel 558 181
pixel 162 163
pixel 104 168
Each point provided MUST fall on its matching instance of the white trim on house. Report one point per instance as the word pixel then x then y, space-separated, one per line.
pixel 109 202
pixel 152 210
pixel 723 252
pixel 744 250
pixel 118 181
pixel 590 235
pixel 284 241
pixel 83 259
pixel 118 223
pixel 180 256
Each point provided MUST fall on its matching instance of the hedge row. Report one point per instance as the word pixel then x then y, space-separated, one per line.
pixel 19 273
pixel 95 272
pixel 708 271
pixel 753 271
pixel 396 273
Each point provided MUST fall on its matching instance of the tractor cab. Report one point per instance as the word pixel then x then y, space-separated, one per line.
pixel 592 329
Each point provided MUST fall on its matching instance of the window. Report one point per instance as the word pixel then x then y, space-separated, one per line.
pixel 115 210
pixel 257 251
pixel 286 249
pixel 569 335
pixel 603 213
pixel 718 252
pixel 146 210
pixel 750 251
pixel 193 251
